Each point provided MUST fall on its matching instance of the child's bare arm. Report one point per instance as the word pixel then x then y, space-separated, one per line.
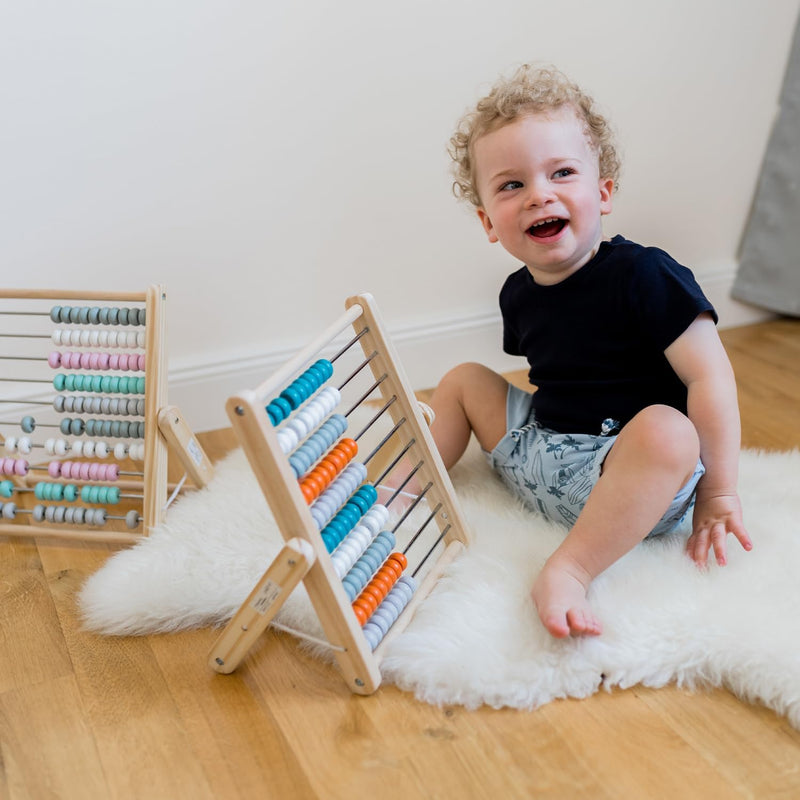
pixel 699 359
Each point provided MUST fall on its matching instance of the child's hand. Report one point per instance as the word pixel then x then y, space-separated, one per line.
pixel 715 516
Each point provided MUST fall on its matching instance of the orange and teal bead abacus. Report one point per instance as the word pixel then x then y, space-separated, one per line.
pixel 365 564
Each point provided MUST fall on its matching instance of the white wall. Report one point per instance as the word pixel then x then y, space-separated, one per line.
pixel 266 159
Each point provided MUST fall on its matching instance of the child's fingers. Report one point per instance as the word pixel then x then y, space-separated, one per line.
pixel 698 546
pixel 719 540
pixel 738 530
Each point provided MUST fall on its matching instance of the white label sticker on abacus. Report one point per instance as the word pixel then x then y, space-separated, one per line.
pixel 266 597
pixel 195 452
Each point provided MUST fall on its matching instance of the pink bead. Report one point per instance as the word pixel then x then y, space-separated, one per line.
pixel 94 470
pixel 92 360
pixel 123 361
pixel 21 467
pixel 141 361
pixel 83 472
pixel 113 472
pixel 54 468
pixel 113 361
pixel 54 359
pixel 103 360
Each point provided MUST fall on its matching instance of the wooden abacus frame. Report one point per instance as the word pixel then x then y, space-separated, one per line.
pixel 305 557
pixel 164 425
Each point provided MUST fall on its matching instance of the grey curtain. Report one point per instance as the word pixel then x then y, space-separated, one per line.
pixel 769 265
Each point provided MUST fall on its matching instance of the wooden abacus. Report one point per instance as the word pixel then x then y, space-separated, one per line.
pixel 119 399
pixel 334 532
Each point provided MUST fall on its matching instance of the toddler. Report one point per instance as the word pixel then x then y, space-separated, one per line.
pixel 634 415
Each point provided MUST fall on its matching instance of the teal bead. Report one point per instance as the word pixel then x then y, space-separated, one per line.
pixel 104 316
pixel 83 315
pixel 6 489
pixel 94 315
pixel 55 314
pixel 59 382
pixel 140 383
pixel 71 492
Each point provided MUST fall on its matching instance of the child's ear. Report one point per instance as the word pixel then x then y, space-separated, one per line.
pixel 606 195
pixel 487 225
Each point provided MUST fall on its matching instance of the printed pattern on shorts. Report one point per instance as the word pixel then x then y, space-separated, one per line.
pixel 554 473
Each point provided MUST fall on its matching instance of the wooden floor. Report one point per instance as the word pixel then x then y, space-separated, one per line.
pixel 88 717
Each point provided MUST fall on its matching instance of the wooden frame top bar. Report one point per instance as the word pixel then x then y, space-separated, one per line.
pixel 72 294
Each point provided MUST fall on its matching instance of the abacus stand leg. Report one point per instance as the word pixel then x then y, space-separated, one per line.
pixel 287 570
pixel 179 436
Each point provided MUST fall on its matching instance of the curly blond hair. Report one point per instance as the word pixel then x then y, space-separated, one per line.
pixel 530 90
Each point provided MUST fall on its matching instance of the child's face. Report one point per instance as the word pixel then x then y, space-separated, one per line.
pixel 542 195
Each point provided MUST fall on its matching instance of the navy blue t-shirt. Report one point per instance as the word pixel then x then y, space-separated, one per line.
pixel 595 342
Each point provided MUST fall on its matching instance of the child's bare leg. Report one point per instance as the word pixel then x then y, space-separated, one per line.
pixel 469 398
pixel 654 456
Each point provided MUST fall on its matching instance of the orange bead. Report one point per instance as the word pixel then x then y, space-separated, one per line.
pixel 308 493
pixel 373 592
pixel 349 447
pixel 361 615
pixel 399 559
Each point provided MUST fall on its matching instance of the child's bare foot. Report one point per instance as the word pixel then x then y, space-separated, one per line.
pixel 559 593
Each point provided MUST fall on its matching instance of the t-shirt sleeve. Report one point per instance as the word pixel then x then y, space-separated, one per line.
pixel 666 297
pixel 511 344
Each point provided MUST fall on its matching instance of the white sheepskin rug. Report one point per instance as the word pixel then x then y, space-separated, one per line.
pixel 477 639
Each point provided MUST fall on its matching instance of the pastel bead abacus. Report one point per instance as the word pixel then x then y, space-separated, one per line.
pixel 86 373
pixel 364 565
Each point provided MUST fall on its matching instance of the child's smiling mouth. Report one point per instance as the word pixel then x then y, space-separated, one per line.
pixel 547 228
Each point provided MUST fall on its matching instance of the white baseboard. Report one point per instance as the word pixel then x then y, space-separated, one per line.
pixel 426 351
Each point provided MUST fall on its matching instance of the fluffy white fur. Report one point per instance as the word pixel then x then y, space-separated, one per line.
pixel 477 640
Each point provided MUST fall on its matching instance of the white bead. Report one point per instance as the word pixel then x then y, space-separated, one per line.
pixel 101 450
pixel 94 338
pixel 24 445
pixel 88 449
pixel 56 336
pixel 11 444
pixel 85 338
pixel 120 451
pixel 50 447
pixel 77 447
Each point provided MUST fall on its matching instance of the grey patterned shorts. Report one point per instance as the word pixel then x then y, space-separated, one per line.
pixel 553 473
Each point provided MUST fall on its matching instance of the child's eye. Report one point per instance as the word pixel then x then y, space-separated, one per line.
pixel 510 186
pixel 565 172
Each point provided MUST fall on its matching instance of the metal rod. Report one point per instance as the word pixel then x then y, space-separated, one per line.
pixel 359 368
pixel 417 499
pixel 349 344
pixel 427 555
pixel 422 528
pixel 366 395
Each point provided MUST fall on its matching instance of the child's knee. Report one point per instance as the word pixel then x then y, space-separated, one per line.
pixel 665 433
pixel 466 375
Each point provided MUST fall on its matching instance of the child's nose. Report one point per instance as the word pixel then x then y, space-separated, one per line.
pixel 540 192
